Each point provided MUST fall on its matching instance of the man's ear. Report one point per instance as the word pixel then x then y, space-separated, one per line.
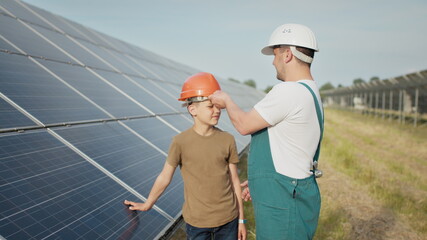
pixel 287 55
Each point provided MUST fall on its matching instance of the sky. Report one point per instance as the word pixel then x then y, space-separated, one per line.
pixel 356 39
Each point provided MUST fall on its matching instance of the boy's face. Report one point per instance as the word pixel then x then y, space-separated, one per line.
pixel 205 112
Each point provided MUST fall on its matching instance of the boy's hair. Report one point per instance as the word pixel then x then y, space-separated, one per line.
pixel 188 103
pixel 194 101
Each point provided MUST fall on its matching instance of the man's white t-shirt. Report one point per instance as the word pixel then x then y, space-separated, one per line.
pixel 294 132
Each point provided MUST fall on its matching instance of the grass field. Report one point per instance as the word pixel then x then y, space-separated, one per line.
pixel 375 180
pixel 375 185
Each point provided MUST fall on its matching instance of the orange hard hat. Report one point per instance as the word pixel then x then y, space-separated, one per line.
pixel 199 85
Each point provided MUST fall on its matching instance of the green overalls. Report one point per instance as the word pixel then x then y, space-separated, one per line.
pixel 285 208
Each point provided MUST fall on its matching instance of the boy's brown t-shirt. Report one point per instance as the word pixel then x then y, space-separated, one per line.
pixel 209 197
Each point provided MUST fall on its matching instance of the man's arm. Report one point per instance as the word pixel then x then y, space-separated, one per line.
pixel 161 183
pixel 244 122
pixel 246 194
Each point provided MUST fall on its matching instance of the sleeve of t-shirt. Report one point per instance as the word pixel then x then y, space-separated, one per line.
pixel 233 157
pixel 277 104
pixel 174 154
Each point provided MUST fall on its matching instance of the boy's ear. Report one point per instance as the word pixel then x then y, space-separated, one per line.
pixel 192 109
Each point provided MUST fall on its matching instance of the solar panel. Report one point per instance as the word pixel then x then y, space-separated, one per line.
pixel 137 91
pixel 41 94
pixel 181 123
pixel 45 195
pixel 86 121
pixel 12 118
pixel 158 132
pixel 28 41
pixel 97 89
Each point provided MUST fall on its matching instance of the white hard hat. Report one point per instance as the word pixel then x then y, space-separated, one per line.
pixel 291 35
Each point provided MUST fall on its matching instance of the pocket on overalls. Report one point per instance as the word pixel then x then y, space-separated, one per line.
pixel 308 205
pixel 268 190
pixel 272 223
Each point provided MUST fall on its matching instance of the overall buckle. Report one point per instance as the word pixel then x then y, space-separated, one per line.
pixel 317 172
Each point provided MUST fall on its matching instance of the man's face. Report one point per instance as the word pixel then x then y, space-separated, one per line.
pixel 205 112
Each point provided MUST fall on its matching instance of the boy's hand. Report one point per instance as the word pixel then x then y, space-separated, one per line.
pixel 138 206
pixel 246 195
pixel 242 232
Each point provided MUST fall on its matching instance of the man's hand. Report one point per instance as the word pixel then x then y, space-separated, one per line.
pixel 219 99
pixel 138 206
pixel 246 195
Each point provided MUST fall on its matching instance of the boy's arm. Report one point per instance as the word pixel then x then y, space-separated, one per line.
pixel 238 191
pixel 161 183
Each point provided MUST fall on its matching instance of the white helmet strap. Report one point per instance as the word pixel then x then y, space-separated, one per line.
pixel 301 56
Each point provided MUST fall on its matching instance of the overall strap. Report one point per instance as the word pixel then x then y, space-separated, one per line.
pixel 319 118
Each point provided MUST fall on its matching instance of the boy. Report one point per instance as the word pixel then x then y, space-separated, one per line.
pixel 207 157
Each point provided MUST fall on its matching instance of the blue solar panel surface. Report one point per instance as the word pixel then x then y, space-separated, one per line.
pixel 86 121
pixel 125 155
pixel 48 190
pixel 12 118
pixel 41 94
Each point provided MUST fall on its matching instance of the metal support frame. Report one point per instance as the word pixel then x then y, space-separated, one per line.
pixel 390 116
pixel 376 104
pixel 416 106
pixel 383 107
pixel 400 106
pixel 403 106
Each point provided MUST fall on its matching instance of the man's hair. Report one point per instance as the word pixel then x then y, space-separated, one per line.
pixel 307 52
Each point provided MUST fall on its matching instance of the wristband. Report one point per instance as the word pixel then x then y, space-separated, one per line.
pixel 242 221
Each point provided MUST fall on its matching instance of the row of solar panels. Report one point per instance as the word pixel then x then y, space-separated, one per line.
pixel 412 80
pixel 85 122
pixel 407 92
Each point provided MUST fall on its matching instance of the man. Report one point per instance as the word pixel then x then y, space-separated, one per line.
pixel 286 130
